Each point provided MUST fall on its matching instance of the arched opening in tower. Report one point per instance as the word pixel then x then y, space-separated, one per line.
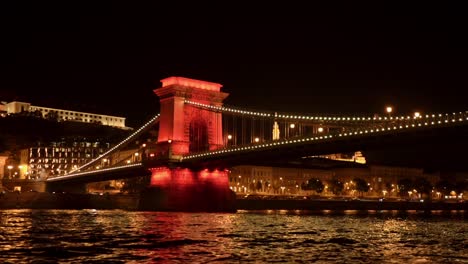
pixel 198 136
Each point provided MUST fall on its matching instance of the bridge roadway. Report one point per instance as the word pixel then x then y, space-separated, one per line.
pixel 451 134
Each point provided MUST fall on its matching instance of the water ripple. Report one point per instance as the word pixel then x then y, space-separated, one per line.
pixel 93 236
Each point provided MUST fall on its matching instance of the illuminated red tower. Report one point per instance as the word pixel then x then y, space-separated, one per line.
pixel 184 128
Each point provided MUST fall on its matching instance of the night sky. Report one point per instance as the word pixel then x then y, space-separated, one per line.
pixel 108 58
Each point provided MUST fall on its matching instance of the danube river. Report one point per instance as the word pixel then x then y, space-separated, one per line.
pixel 115 236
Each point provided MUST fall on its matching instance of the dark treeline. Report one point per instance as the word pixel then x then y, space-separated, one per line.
pixel 22 131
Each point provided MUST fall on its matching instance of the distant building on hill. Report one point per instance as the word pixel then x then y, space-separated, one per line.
pixel 62 115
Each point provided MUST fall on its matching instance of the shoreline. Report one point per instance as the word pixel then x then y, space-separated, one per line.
pixel 42 200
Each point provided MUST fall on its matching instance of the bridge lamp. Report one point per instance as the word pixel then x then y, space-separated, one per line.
pixel 389 109
pixel 144 145
pixel 292 125
pixel 320 129
pixel 136 154
pixel 229 137
pixel 257 139
pixel 128 161
pixel 417 114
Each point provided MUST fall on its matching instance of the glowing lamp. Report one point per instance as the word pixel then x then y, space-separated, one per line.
pixel 389 109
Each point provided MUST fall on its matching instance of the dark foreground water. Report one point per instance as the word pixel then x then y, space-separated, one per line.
pixel 90 236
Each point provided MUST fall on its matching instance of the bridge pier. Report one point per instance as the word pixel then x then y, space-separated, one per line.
pixel 182 189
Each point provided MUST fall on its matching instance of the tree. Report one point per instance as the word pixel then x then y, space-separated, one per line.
pixel 336 186
pixel 361 186
pixel 315 185
pixel 388 186
pixel 404 186
pixel 422 185
pixel 444 187
pixel 259 186
pixel 52 115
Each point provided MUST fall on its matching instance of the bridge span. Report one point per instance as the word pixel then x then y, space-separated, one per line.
pixel 198 139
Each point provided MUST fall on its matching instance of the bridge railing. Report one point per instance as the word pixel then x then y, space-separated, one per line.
pixel 400 126
pixel 148 125
pixel 317 117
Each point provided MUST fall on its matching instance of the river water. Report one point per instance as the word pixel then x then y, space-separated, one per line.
pixel 115 236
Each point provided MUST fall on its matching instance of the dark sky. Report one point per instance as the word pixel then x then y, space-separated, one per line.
pixel 109 57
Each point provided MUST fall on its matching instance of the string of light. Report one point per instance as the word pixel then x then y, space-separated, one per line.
pixel 74 175
pixel 133 135
pixel 454 119
pixel 316 118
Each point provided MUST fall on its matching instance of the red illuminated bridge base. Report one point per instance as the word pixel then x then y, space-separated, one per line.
pixel 186 190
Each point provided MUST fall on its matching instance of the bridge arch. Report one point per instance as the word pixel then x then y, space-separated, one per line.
pixel 184 128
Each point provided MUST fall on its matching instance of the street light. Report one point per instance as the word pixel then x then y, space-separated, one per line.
pixel 9 171
pixel 417 114
pixel 389 109
pixel 320 129
pixel 229 137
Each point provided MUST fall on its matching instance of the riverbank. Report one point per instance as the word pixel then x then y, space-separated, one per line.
pixel 251 204
pixel 42 200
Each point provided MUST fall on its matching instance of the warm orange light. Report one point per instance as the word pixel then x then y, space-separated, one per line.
pixel 320 129
pixel 229 137
pixel 389 109
pixel 417 114
pixel 257 139
pixel 292 126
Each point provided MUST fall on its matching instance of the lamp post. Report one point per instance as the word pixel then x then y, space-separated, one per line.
pixel 9 171
pixel 389 110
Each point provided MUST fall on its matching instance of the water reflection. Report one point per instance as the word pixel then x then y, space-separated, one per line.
pixel 263 236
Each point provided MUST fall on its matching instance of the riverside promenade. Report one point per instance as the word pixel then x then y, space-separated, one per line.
pixel 43 200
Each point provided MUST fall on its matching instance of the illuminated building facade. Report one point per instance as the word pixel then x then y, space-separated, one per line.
pixel 60 157
pixel 64 115
pixel 382 180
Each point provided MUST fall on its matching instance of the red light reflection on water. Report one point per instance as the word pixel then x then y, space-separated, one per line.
pixel 165 177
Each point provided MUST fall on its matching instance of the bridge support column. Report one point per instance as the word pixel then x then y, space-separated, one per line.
pixel 182 189
pixel 184 128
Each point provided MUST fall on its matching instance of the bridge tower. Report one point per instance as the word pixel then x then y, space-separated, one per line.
pixel 184 128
